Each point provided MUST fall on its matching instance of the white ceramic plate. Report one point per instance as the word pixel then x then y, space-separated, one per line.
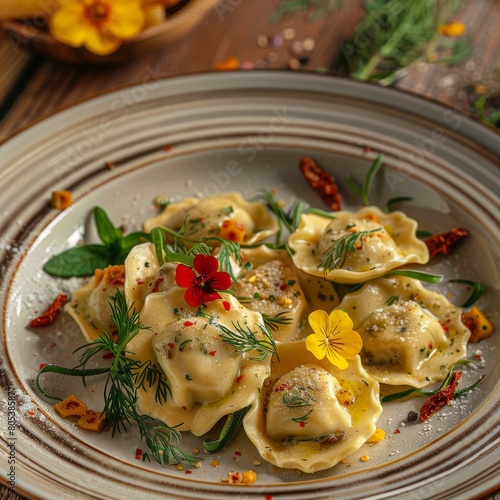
pixel 246 132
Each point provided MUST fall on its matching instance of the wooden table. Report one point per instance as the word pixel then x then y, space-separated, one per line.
pixel 33 87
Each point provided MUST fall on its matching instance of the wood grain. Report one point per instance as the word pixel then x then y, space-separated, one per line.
pixel 232 31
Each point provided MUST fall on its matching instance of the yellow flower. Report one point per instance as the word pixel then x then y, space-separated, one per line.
pixel 99 25
pixel 333 337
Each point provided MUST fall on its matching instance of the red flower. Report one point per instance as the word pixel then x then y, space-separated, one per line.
pixel 202 284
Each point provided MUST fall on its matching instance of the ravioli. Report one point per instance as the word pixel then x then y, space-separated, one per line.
pixel 384 242
pixel 310 415
pixel 205 218
pixel 144 275
pixel 89 305
pixel 209 378
pixel 411 335
pixel 275 287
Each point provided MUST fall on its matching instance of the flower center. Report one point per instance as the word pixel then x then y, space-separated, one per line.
pixel 97 13
pixel 200 280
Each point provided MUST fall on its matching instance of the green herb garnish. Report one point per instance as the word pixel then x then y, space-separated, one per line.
pixel 274 322
pixel 229 430
pixel 364 191
pixel 125 377
pixel 83 260
pixel 477 291
pixel 243 339
pixel 404 394
pixel 418 275
pixel 336 255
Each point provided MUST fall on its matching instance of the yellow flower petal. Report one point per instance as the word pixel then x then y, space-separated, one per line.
pixel 346 343
pixel 67 27
pixel 340 319
pixel 126 26
pixel 102 42
pixel 319 322
pixel 333 337
pixel 317 345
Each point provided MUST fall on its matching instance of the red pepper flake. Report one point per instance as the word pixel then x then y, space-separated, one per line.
pixel 227 305
pixel 367 149
pixel 237 452
pixel 169 354
pixel 442 243
pixel 280 388
pixel 238 378
pixel 188 323
pixel 167 148
pixel 440 399
pixel 184 408
pixel 212 353
pixel 171 344
pixel 397 431
pixel 140 282
pixel 49 316
pixel 323 182
pixel 158 282
pixel 110 165
pixel 446 328
pixel 268 497
pixel 188 471
pixel 42 366
pixel 283 286
pixel 53 345
pixel 31 412
pixel 431 345
pixel 108 355
pixel 302 424
pixel 138 454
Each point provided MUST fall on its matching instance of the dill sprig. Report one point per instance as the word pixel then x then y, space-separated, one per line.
pixel 125 377
pixel 243 339
pixel 336 255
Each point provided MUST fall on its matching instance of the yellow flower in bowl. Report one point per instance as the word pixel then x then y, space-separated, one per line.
pixel 333 337
pixel 100 26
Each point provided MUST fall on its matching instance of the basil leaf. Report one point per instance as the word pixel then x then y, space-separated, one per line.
pixel 110 235
pixel 78 261
pixel 131 240
pixel 227 433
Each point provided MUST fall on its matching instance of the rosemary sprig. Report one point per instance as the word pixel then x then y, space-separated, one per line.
pixel 336 255
pixel 243 339
pixel 274 322
pixel 477 291
pixel 125 376
pixel 364 191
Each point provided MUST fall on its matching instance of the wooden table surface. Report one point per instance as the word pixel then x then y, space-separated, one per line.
pixel 33 87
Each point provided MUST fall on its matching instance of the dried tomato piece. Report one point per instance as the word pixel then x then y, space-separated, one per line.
pixel 440 399
pixel 442 243
pixel 51 313
pixel 323 182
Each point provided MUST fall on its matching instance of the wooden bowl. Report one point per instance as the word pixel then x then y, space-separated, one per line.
pixel 35 36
